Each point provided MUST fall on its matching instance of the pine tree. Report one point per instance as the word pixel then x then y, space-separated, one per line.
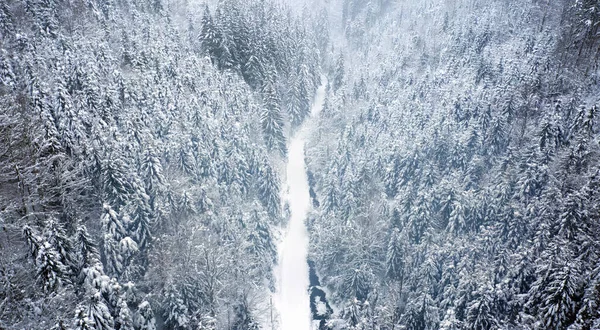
pixel 268 189
pixel 338 75
pixel 50 271
pixel 352 314
pixel 68 124
pixel 61 243
pixel 152 174
pixel 395 256
pixel 45 15
pixel 86 250
pixel 224 51
pixel 145 317
pixel 141 220
pixel 585 25
pixel 185 161
pixel 115 182
pixel 391 179
pixel 299 105
pixel 175 311
pixel 457 222
pixel 253 71
pixel 332 195
pixel 588 315
pixel 243 318
pixel 573 220
pixel 480 312
pixel 261 239
pixel 272 120
pixel 420 314
pixel 94 314
pixel 450 322
pixel 114 231
pixel 81 321
pixel 556 293
pixel 7 76
pixel 293 107
pixel 51 145
pixel 561 297
pixel 6 25
pixel 186 205
pixel 419 220
pixel 124 318
pixel 357 283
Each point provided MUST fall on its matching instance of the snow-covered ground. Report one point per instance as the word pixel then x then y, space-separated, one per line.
pixel 291 298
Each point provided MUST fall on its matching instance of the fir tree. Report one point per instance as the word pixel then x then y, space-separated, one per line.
pixel 115 182
pixel 145 317
pixel 176 312
pixel 94 314
pixel 271 120
pixel 395 256
pixel 268 189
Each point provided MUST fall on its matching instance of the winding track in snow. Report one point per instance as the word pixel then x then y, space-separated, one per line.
pixel 292 297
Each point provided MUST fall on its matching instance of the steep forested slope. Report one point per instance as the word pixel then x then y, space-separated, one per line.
pixel 139 160
pixel 456 165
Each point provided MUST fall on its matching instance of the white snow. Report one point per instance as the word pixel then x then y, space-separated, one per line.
pixel 321 306
pixel 291 298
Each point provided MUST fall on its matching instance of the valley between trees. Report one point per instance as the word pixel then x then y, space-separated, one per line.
pixel 452 171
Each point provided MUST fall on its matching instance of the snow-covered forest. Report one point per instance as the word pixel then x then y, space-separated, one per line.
pixel 452 160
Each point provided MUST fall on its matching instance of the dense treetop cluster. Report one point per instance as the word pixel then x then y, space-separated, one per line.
pixel 140 154
pixel 456 166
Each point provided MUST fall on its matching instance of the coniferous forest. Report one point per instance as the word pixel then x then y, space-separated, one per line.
pixel 454 166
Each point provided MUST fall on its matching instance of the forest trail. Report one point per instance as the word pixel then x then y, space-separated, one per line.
pixel 292 297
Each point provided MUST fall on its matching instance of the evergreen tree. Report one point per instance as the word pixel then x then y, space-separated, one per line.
pixel 271 120
pixel 176 312
pixel 145 317
pixel 94 314
pixel 261 241
pixel 331 199
pixel 450 322
pixel 557 292
pixel 243 318
pixel 61 243
pixel 81 321
pixel 480 312
pixel 86 251
pixel 585 25
pixel 50 271
pixel 357 283
pixel 338 75
pixel 141 220
pixel 115 182
pixel 6 25
pixel 152 174
pixel 253 71
pixel 268 189
pixel 395 256
pixel 420 314
pixel 114 232
pixel 124 318
pixel 299 105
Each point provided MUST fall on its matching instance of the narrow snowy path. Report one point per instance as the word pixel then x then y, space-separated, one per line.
pixel 292 272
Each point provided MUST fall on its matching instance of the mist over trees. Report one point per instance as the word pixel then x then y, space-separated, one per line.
pixel 453 168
